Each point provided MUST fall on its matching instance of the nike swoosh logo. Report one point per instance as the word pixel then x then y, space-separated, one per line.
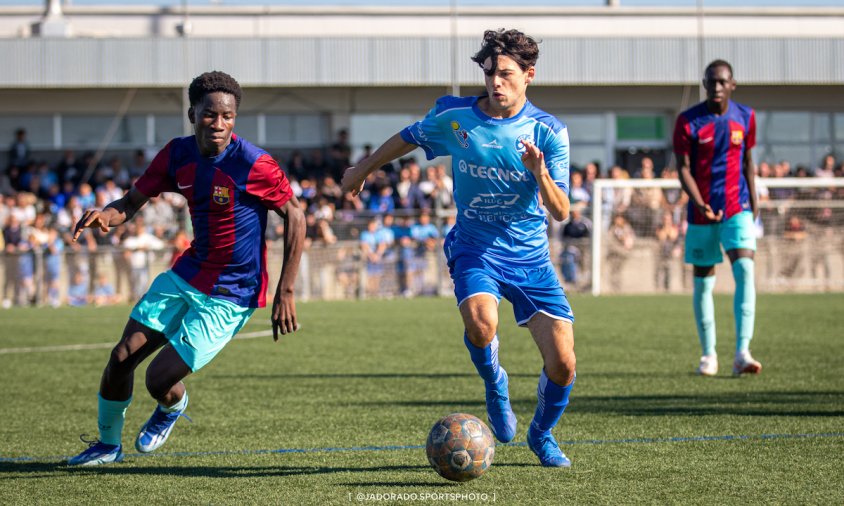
pixel 709 139
pixel 183 187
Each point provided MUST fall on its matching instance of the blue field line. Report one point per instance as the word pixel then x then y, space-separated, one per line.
pixel 645 440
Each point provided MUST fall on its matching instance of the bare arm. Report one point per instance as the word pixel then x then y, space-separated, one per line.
pixel 749 170
pixel 555 200
pixel 118 212
pixel 354 177
pixel 687 181
pixel 284 304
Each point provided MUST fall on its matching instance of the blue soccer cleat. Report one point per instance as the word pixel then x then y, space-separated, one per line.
pixel 98 453
pixel 155 432
pixel 546 448
pixel 499 413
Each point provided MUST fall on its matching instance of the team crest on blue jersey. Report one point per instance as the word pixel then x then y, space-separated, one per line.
pixel 737 136
pixel 221 195
pixel 461 134
pixel 520 146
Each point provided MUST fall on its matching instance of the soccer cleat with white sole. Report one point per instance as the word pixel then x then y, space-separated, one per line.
pixel 157 429
pixel 708 365
pixel 546 448
pixel 745 364
pixel 96 454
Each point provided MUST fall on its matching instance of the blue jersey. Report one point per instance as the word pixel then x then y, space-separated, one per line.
pixel 497 197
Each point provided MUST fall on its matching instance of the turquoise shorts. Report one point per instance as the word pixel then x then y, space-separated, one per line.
pixel 703 242
pixel 198 326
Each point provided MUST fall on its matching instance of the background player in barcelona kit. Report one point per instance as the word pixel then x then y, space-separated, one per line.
pixel 713 142
pixel 193 310
pixel 505 154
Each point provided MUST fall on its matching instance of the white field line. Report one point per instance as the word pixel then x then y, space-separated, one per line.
pixel 98 346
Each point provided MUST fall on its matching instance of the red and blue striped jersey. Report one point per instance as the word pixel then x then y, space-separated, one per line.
pixel 228 196
pixel 716 146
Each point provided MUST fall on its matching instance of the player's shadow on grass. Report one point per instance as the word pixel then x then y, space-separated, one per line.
pixel 138 466
pixel 397 375
pixel 790 403
pixel 799 404
pixel 12 470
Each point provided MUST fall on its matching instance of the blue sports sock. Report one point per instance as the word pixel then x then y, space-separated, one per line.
pixel 179 406
pixel 552 400
pixel 110 418
pixel 744 302
pixel 485 359
pixel 705 313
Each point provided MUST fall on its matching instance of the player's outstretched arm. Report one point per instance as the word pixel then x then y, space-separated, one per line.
pixel 118 212
pixel 687 181
pixel 284 304
pixel 354 177
pixel 555 200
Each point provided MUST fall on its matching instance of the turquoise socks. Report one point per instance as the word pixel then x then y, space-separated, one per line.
pixel 744 302
pixel 705 313
pixel 110 418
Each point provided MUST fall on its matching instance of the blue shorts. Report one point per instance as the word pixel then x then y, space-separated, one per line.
pixel 530 290
pixel 703 242
pixel 198 326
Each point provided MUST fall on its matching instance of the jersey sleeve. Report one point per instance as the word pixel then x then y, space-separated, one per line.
pixel 682 137
pixel 156 179
pixel 750 138
pixel 268 183
pixel 556 151
pixel 428 135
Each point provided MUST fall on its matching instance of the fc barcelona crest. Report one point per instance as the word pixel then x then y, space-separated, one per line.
pixel 737 136
pixel 221 195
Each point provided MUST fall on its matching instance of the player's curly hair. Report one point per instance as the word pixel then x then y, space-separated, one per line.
pixel 209 82
pixel 718 63
pixel 522 48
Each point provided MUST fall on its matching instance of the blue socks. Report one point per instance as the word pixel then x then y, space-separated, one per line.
pixel 552 400
pixel 110 418
pixel 485 359
pixel 705 313
pixel 744 302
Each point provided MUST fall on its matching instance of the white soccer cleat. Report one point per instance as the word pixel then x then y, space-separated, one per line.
pixel 745 364
pixel 708 365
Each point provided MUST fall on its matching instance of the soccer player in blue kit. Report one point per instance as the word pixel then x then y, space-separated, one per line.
pixel 713 142
pixel 193 310
pixel 505 153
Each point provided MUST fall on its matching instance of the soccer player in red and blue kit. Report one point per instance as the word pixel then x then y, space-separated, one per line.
pixel 713 142
pixel 193 310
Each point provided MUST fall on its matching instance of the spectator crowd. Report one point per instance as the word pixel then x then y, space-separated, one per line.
pixel 396 224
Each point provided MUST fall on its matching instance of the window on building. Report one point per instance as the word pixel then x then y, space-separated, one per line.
pixel 296 130
pixel 89 132
pixel 800 137
pixel 168 126
pixel 587 138
pixel 39 130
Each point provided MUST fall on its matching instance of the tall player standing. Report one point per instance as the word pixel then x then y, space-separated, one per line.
pixel 505 154
pixel 713 142
pixel 193 310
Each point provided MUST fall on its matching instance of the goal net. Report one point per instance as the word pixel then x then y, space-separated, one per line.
pixel 638 231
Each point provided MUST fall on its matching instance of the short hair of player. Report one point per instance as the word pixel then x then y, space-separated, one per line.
pixel 213 81
pixel 718 63
pixel 522 48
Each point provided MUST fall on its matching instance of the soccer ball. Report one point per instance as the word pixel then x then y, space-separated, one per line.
pixel 460 447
